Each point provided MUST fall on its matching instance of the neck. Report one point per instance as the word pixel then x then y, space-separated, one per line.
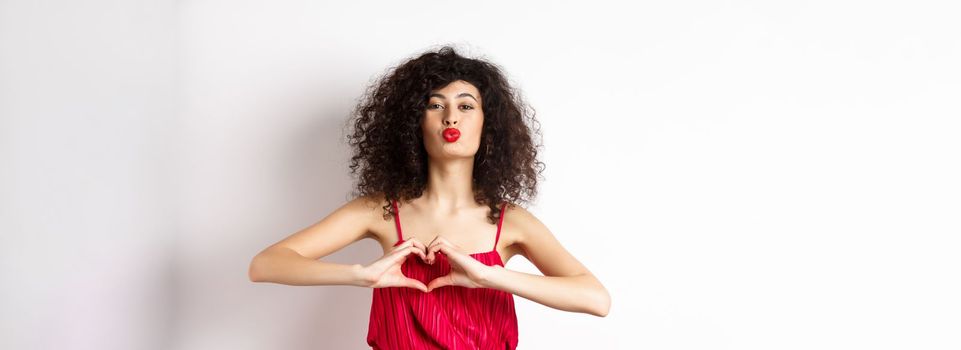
pixel 450 184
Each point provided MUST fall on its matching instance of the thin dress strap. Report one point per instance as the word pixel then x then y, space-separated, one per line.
pixel 400 234
pixel 499 222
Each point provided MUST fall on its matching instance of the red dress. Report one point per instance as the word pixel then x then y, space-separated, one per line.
pixel 449 317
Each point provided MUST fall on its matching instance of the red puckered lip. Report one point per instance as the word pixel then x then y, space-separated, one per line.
pixel 451 134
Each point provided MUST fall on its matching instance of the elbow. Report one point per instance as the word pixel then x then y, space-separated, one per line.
pixel 602 303
pixel 255 272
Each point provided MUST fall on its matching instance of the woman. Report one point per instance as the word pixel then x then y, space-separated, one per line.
pixel 443 139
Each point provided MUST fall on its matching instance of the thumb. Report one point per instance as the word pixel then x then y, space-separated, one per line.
pixel 412 283
pixel 446 280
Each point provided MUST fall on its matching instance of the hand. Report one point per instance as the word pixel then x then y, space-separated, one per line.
pixel 465 271
pixel 386 271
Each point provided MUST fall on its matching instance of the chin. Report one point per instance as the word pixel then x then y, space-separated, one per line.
pixel 455 154
pixel 455 149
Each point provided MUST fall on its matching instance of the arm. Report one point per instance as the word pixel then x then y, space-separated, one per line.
pixel 285 266
pixel 294 260
pixel 566 285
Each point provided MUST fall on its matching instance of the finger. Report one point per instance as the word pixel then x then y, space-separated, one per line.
pixel 421 248
pixel 438 282
pixel 453 255
pixel 432 250
pixel 403 245
pixel 419 251
pixel 412 283
pixel 443 247
pixel 430 254
pixel 443 241
pixel 438 241
pixel 401 255
pixel 412 242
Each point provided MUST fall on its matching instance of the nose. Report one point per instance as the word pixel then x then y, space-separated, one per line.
pixel 450 122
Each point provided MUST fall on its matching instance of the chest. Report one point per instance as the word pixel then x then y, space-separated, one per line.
pixel 473 236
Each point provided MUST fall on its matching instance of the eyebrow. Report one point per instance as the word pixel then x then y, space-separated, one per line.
pixel 458 96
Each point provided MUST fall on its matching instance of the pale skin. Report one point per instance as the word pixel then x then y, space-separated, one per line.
pixel 445 219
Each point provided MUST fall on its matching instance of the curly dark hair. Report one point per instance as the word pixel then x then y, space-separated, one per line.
pixel 388 147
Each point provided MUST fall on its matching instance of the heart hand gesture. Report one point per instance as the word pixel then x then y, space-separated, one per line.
pixel 386 271
pixel 465 271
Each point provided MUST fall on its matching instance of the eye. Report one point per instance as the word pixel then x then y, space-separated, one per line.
pixel 469 107
pixel 431 106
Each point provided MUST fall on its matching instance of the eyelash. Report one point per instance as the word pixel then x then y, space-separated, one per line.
pixel 469 107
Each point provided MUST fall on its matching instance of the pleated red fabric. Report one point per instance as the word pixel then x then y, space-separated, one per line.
pixel 450 317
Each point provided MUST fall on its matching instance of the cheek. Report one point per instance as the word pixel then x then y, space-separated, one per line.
pixel 425 126
pixel 479 125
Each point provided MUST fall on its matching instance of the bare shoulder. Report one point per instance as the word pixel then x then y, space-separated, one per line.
pixel 532 239
pixel 520 222
pixel 380 224
pixel 370 205
pixel 367 209
pixel 516 226
pixel 371 210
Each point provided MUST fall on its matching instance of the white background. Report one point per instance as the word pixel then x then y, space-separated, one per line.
pixel 740 175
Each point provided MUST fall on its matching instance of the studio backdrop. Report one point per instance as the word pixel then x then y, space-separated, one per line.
pixel 739 175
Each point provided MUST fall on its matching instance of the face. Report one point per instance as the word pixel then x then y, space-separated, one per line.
pixel 456 106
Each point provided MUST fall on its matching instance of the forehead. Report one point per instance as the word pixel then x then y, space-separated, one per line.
pixel 457 87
